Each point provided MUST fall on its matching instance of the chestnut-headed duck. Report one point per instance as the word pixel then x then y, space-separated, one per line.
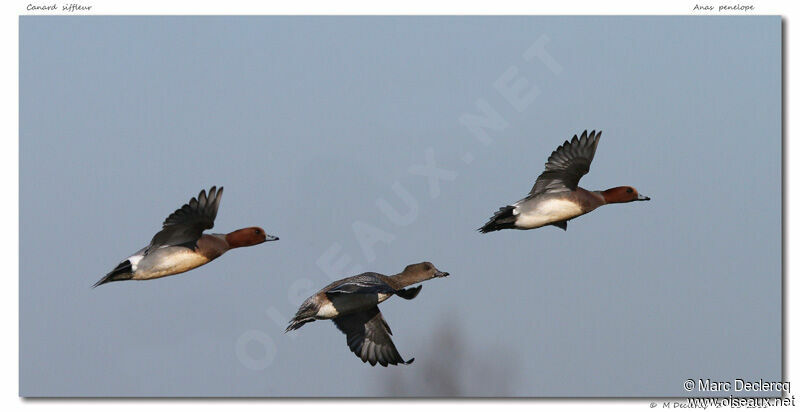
pixel 556 197
pixel 181 244
pixel 352 304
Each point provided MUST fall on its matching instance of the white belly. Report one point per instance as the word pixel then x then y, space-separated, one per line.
pixel 547 212
pixel 327 311
pixel 344 304
pixel 168 261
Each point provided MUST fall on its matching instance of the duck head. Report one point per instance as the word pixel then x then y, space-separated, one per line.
pixel 248 236
pixel 623 194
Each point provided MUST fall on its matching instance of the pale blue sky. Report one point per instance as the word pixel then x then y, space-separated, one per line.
pixel 309 122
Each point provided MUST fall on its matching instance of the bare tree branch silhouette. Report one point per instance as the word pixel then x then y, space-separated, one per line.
pixel 448 367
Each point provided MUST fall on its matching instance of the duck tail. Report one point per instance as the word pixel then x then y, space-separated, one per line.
pixel 123 271
pixel 305 314
pixel 297 323
pixel 502 219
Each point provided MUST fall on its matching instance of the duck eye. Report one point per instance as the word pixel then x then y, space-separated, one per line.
pixel 630 190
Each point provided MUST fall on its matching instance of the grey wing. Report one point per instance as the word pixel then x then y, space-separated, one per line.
pixel 368 283
pixel 567 164
pixel 369 337
pixel 185 225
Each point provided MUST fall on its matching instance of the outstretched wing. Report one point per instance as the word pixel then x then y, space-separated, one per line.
pixel 409 293
pixel 185 225
pixel 368 337
pixel 368 283
pixel 567 164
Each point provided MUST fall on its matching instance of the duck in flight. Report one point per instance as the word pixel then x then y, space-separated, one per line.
pixel 556 197
pixel 352 304
pixel 181 245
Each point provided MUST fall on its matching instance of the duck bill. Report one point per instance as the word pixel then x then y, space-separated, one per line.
pixel 440 274
pixel 271 238
pixel 642 197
